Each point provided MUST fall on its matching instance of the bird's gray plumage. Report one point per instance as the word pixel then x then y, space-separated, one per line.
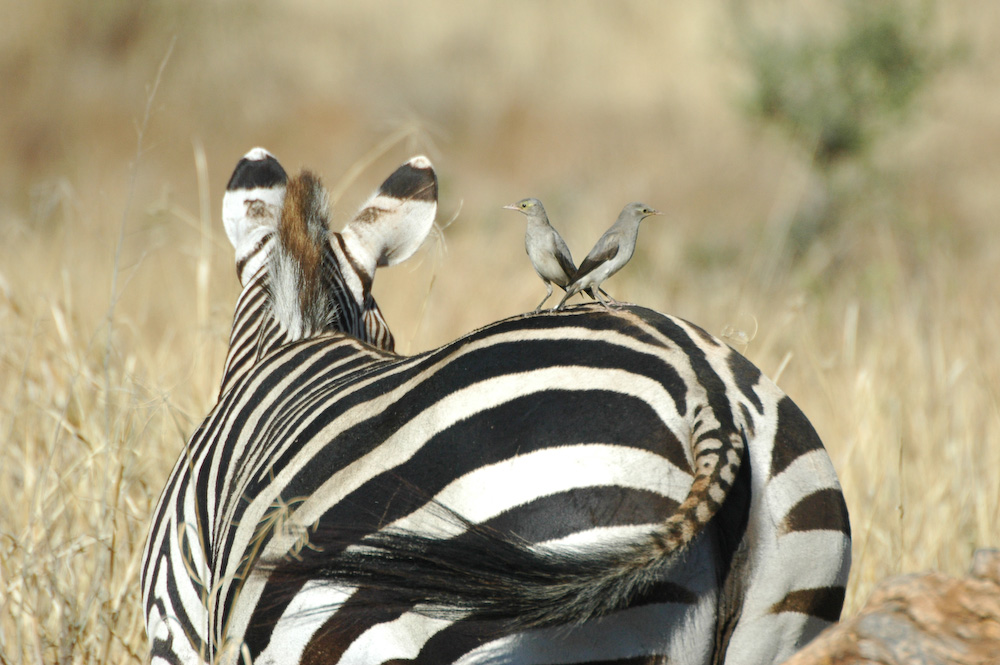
pixel 610 254
pixel 547 250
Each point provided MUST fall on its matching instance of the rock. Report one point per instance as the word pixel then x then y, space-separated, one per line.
pixel 925 618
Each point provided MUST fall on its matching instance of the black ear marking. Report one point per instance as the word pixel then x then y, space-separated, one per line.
pixel 258 168
pixel 413 180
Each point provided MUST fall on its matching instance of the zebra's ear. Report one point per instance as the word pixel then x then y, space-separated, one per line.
pixel 252 204
pixel 393 223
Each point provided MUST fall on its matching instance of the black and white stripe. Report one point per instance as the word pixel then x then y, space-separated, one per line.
pixel 576 486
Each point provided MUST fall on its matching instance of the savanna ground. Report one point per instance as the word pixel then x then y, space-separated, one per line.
pixel 120 124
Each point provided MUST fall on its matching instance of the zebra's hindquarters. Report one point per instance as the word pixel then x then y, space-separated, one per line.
pixel 531 438
pixel 490 495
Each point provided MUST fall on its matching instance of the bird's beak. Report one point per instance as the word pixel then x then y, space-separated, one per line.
pixel 656 212
pixel 512 206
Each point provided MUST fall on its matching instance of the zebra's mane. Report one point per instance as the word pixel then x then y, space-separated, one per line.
pixel 298 290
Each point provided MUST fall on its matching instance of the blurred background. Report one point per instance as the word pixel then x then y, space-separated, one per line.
pixel 828 173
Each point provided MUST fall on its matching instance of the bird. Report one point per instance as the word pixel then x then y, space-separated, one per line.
pixel 610 254
pixel 547 250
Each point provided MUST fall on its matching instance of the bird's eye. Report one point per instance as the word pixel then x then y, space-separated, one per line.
pixel 525 204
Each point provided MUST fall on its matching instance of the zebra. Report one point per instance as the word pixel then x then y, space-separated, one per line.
pixel 584 485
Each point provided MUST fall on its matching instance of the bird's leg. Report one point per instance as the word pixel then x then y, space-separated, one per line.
pixel 590 292
pixel 597 293
pixel 564 299
pixel 548 294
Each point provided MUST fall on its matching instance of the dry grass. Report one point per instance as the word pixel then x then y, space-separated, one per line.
pixel 115 298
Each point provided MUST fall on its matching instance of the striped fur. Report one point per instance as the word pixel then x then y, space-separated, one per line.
pixel 576 486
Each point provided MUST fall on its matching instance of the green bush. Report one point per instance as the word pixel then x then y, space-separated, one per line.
pixel 836 89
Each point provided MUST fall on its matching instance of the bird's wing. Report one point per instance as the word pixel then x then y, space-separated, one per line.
pixel 605 250
pixel 564 258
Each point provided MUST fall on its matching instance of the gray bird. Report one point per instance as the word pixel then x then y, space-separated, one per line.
pixel 545 247
pixel 610 254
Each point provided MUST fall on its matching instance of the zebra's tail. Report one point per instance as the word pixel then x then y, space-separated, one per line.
pixel 496 576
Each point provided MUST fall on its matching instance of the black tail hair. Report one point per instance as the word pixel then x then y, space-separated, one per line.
pixel 484 574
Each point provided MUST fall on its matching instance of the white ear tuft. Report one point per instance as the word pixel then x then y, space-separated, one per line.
pixel 252 204
pixel 394 222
